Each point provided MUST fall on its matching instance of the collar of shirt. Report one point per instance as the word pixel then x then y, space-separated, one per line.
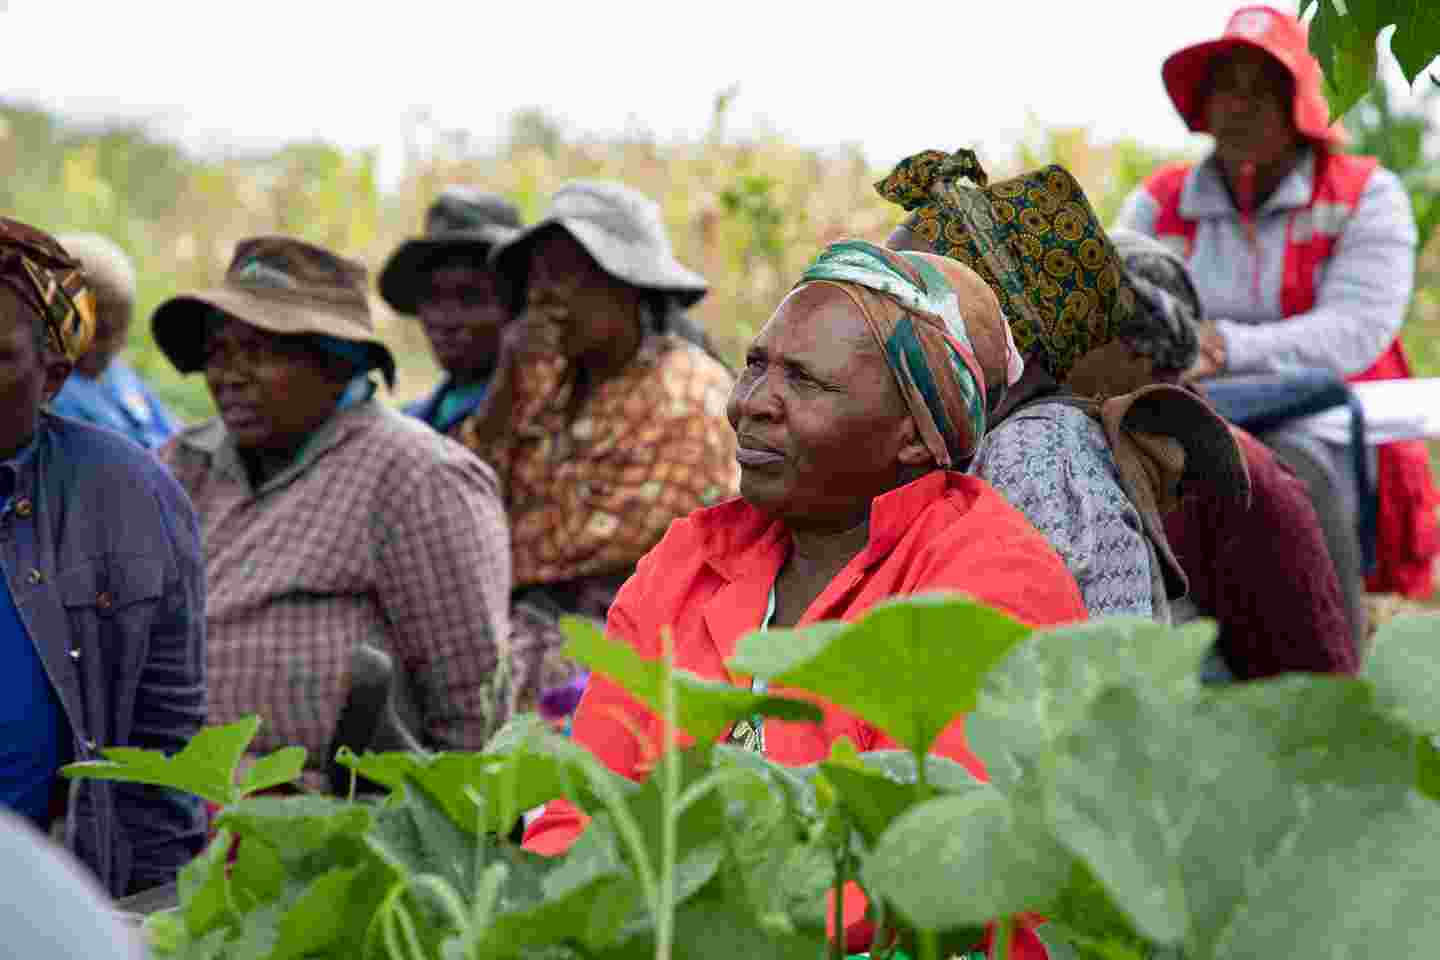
pixel 1205 195
pixel 215 442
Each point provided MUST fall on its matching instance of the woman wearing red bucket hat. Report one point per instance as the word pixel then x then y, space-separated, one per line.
pixel 1304 255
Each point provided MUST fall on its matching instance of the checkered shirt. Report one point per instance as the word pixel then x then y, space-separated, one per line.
pixel 382 532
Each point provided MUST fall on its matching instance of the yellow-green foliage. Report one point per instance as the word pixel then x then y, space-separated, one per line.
pixel 748 215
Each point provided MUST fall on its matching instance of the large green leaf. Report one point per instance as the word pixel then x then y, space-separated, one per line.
pixel 1404 668
pixel 1182 809
pixel 296 827
pixel 704 709
pixel 206 767
pixel 875 788
pixel 929 655
pixel 961 860
pixel 1343 37
pixel 313 923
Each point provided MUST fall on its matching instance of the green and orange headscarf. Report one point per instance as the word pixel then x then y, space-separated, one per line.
pixel 1038 243
pixel 47 278
pixel 941 332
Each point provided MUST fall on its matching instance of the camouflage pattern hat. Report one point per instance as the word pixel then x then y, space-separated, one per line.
pixel 462 219
pixel 279 285
pixel 1039 244
pixel 45 276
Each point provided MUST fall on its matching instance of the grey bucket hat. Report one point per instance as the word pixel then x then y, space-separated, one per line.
pixel 618 226
pixel 461 218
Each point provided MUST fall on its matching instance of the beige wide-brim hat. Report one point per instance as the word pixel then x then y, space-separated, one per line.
pixel 279 285
pixel 619 227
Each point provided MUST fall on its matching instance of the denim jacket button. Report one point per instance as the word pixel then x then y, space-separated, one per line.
pixel 74 653
pixel 104 601
pixel 35 577
pixel 23 507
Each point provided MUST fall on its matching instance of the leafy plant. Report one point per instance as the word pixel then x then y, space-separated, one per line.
pixel 1130 812
pixel 1343 35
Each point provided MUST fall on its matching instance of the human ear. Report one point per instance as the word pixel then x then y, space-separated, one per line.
pixel 913 452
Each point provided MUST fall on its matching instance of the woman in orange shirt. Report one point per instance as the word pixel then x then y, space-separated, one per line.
pixel 861 400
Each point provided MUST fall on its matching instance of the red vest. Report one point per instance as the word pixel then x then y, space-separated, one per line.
pixel 1407 531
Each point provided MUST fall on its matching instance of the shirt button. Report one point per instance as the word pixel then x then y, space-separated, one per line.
pixel 90 745
pixel 23 507
pixel 35 577
pixel 104 601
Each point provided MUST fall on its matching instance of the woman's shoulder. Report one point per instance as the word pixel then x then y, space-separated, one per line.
pixel 1043 440
pixel 687 371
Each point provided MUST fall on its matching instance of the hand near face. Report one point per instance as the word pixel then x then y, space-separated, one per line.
pixel 1211 360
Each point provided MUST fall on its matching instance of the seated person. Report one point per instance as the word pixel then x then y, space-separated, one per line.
pixel 824 527
pixel 1304 257
pixel 104 390
pixel 102 596
pixel 1036 241
pixel 443 278
pixel 330 521
pixel 1261 571
pixel 605 419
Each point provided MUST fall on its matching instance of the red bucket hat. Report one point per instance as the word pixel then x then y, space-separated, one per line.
pixel 1283 38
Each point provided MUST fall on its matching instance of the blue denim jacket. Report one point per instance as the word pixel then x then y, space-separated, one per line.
pixel 102 554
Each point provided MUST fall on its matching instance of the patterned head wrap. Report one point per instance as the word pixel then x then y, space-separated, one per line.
pixel 1168 314
pixel 51 281
pixel 1035 239
pixel 944 354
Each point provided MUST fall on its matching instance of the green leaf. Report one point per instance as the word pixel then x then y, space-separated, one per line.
pixel 1404 669
pixel 258 874
pixel 518 773
pixel 1049 681
pixel 205 767
pixel 705 709
pixel 961 860
pixel 1416 41
pixel 1345 47
pixel 936 649
pixel 314 923
pixel 875 788
pixel 417 837
pixel 591 915
pixel 271 770
pixel 296 827
pixel 201 886
pixel 1178 808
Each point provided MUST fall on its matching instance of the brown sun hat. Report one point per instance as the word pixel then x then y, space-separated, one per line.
pixel 279 285
pixel 617 225
pixel 462 219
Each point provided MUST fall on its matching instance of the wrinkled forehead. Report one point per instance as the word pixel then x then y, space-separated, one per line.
pixel 819 324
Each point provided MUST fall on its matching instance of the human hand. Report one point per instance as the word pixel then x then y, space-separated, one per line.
pixel 1211 359
pixel 535 334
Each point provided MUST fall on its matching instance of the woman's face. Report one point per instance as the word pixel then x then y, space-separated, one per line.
pixel 1248 110
pixel 272 391
pixel 29 375
pixel 594 311
pixel 462 316
pixel 821 427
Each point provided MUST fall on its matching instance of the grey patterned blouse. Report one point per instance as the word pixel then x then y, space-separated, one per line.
pixel 1051 462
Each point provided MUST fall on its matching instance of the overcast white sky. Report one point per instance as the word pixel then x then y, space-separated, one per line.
pixel 892 77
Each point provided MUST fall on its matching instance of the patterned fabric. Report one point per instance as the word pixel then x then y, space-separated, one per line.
pixel 914 315
pixel 1053 463
pixel 384 533
pixel 44 275
pixel 591 495
pixel 1035 239
pixel 1168 311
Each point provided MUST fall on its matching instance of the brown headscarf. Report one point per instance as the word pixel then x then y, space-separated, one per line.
pixel 50 280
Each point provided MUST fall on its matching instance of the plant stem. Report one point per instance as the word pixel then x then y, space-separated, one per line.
pixel 670 798
pixel 1004 929
pixel 929 944
pixel 838 942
